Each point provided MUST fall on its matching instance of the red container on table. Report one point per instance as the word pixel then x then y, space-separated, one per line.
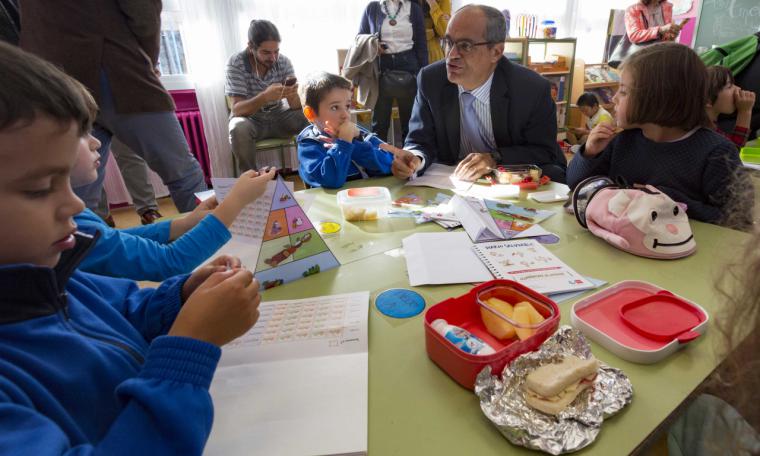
pixel 464 311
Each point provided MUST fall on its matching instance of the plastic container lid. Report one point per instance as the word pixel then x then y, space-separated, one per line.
pixel 663 317
pixel 639 321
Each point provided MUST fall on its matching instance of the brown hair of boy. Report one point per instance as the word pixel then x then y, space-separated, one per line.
pixel 717 78
pixel 669 87
pixel 31 87
pixel 318 85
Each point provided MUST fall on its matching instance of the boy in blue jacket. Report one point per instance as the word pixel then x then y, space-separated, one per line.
pixel 163 249
pixel 90 364
pixel 333 149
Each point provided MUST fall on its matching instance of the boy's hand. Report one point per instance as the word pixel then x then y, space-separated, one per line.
pixel 744 100
pixel 180 226
pixel 221 309
pixel 599 138
pixel 219 264
pixel 346 131
pixel 405 163
pixel 249 186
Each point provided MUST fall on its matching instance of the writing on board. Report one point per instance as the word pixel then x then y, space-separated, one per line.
pixel 725 20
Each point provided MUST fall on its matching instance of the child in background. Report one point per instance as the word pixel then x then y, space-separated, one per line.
pixel 333 149
pixel 588 104
pixel 163 249
pixel 665 142
pixel 91 364
pixel 726 98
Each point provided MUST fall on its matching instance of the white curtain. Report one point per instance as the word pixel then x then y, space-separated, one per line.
pixel 210 38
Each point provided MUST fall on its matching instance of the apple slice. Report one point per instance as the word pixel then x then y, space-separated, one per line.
pixel 521 316
pixel 535 317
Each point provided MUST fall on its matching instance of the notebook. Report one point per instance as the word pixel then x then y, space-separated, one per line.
pixel 531 264
pixel 489 220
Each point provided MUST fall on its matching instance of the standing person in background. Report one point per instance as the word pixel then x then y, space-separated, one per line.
pixel 9 21
pixel 507 19
pixel 650 20
pixel 400 25
pixel 113 50
pixel 437 15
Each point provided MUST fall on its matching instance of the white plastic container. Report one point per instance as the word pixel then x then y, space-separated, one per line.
pixel 367 203
pixel 462 339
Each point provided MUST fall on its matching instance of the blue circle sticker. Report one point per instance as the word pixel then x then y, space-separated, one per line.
pixel 400 303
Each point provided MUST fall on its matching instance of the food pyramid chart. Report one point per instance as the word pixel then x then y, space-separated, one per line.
pixel 291 247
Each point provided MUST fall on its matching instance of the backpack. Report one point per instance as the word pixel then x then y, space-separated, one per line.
pixel 736 55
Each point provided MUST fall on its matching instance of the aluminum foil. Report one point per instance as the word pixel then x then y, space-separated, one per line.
pixel 501 399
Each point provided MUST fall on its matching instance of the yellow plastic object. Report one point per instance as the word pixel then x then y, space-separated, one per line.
pixel 750 155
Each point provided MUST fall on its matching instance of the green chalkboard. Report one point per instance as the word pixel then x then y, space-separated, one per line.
pixel 722 21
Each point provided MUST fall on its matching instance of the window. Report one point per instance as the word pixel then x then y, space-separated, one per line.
pixel 171 60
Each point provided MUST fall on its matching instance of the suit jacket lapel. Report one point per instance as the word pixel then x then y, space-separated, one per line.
pixel 450 96
pixel 500 104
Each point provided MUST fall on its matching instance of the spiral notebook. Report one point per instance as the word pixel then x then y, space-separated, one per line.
pixel 531 264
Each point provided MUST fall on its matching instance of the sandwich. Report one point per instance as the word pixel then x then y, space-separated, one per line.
pixel 552 387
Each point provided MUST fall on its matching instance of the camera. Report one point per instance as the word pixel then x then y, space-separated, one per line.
pixel 289 81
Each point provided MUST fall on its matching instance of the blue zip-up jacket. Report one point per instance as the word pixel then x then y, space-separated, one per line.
pixel 144 252
pixel 85 367
pixel 331 167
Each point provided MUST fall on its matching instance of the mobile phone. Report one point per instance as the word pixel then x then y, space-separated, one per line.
pixel 289 81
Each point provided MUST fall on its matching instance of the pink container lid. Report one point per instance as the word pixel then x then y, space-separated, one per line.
pixel 639 321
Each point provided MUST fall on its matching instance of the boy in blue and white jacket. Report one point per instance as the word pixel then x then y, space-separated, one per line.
pixel 90 364
pixel 163 249
pixel 333 149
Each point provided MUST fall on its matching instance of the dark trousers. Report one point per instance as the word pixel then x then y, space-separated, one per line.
pixel 381 116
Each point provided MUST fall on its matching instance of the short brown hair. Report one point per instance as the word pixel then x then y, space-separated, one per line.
pixel 717 78
pixel 31 86
pixel 318 85
pixel 669 87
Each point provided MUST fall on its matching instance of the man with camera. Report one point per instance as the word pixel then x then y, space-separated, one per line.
pixel 263 94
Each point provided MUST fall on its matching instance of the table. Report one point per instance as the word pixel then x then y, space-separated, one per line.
pixel 416 409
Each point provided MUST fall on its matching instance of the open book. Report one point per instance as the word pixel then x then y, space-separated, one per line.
pixel 531 264
pixel 489 220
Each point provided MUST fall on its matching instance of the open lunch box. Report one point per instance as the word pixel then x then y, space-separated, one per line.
pixel 465 311
pixel 639 321
pixel 527 177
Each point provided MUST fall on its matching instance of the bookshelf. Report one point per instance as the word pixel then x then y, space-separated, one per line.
pixel 553 59
pixel 602 80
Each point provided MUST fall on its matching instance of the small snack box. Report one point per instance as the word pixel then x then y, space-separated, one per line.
pixel 638 321
pixel 517 174
pixel 486 318
pixel 368 203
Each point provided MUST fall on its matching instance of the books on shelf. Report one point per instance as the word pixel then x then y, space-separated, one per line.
pixel 604 94
pixel 600 74
pixel 557 87
pixel 531 264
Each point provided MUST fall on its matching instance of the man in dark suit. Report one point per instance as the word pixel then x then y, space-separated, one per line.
pixel 112 47
pixel 478 110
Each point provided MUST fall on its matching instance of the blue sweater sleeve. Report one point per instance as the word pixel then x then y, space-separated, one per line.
pixel 369 156
pixel 122 254
pixel 581 167
pixel 158 231
pixel 167 408
pixel 324 167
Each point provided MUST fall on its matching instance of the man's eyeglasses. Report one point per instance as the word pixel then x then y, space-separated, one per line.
pixel 463 46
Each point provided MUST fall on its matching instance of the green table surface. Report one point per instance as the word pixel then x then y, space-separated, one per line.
pixel 416 409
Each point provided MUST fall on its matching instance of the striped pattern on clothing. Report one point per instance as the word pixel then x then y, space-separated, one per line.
pixel 242 80
pixel 739 136
pixel 482 105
